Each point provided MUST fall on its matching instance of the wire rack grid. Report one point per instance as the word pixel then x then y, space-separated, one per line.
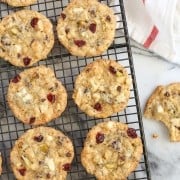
pixel 73 122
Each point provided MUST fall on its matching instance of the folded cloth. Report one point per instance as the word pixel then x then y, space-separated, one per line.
pixel 156 25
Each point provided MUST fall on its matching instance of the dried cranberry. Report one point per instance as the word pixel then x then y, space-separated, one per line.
pixel 34 22
pixel 32 120
pixel 67 167
pixel 98 107
pixel 112 69
pixel 99 138
pixel 131 133
pixel 63 16
pixel 79 43
pixel 92 27
pixel 51 98
pixel 68 154
pixel 167 94
pixel 26 61
pixel 122 158
pixel 119 88
pixel 108 18
pixel 38 138
pixel 22 171
pixel 16 79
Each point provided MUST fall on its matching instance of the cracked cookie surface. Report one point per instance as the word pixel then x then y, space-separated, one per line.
pixel 164 105
pixel 102 88
pixel 19 2
pixel 42 153
pixel 26 37
pixel 111 151
pixel 86 28
pixel 36 97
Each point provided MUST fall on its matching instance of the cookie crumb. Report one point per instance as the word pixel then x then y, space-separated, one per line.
pixel 155 136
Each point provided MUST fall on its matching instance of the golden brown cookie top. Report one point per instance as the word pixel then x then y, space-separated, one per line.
pixel 19 2
pixel 164 105
pixel 26 37
pixel 102 88
pixel 86 28
pixel 36 96
pixel 111 151
pixel 42 153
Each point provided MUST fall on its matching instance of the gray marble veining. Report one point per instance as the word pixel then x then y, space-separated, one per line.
pixel 151 71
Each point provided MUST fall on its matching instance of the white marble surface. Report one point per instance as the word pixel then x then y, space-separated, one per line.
pixel 164 156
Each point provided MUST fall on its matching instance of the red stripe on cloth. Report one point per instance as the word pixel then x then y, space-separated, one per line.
pixel 151 37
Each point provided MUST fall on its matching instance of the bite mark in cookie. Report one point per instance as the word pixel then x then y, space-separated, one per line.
pixel 164 105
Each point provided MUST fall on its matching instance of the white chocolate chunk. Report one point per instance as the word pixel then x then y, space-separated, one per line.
pixel 160 109
pixel 78 10
pixel 50 163
pixel 26 97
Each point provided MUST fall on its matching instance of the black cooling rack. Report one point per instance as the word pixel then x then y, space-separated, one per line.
pixel 73 122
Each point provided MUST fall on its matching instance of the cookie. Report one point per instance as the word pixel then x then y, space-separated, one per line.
pixel 36 97
pixel 19 2
pixel 86 28
pixel 0 163
pixel 164 105
pixel 111 151
pixel 25 37
pixel 102 88
pixel 42 153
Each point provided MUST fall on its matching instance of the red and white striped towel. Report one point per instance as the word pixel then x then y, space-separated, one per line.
pixel 156 25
